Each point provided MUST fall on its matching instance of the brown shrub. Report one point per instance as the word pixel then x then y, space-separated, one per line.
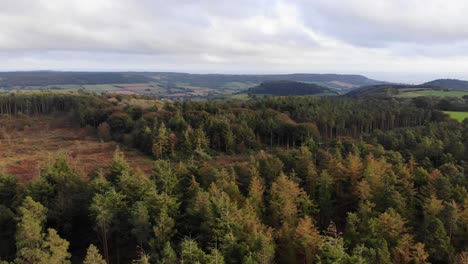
pixel 104 131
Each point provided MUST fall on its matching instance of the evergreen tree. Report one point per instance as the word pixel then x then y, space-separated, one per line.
pixel 161 141
pixel 325 198
pixel 168 255
pixel 104 208
pixel 118 165
pixel 33 246
pixel 93 256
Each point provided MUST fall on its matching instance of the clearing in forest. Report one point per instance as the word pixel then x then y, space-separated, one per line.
pixel 26 143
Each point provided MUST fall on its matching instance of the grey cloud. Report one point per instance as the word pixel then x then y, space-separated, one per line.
pixel 234 36
pixel 380 23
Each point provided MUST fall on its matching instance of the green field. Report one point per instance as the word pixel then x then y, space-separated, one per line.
pixel 460 116
pixel 442 93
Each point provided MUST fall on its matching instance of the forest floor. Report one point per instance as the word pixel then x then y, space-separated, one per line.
pixel 27 143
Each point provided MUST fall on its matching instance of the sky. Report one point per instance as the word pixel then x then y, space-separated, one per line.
pixel 395 40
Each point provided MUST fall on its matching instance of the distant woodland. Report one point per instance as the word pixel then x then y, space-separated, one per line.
pixel 283 88
pixel 265 180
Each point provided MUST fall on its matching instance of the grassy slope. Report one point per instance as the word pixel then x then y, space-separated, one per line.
pixel 460 116
pixel 443 93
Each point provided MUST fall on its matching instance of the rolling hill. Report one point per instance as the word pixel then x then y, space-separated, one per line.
pixel 43 78
pixel 440 87
pixel 452 84
pixel 177 82
pixel 285 88
pixel 377 91
pixel 391 90
pixel 335 81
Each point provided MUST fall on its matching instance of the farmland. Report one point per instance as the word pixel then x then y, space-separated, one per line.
pixel 460 116
pixel 442 93
pixel 410 93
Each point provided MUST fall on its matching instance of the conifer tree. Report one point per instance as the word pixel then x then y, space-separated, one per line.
pixel 161 142
pixel 33 246
pixel 105 207
pixel 118 165
pixel 93 256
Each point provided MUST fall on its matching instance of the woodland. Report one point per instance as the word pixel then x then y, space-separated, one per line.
pixel 297 179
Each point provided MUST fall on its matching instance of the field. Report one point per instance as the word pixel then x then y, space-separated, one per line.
pixel 460 116
pixel 443 93
pixel 26 143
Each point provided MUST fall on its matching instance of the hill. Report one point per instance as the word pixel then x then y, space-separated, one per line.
pixel 389 90
pixel 452 84
pixel 166 84
pixel 43 78
pixel 335 81
pixel 285 88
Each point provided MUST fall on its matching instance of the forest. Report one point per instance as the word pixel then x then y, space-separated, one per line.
pixel 297 179
pixel 284 88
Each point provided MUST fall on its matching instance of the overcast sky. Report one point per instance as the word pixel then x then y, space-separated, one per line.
pixel 398 40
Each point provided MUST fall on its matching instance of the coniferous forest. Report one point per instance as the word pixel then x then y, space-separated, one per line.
pixel 265 180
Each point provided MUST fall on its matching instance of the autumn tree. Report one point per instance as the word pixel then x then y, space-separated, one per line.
pixel 308 240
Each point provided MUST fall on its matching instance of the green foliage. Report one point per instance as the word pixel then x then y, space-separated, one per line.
pixel 168 255
pixel 33 246
pixel 118 165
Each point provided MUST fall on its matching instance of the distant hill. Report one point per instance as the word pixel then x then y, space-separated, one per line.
pixel 285 88
pixel 213 81
pixel 334 81
pixel 388 90
pixel 43 78
pixel 452 84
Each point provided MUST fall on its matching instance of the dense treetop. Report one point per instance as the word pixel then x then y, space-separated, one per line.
pixel 268 180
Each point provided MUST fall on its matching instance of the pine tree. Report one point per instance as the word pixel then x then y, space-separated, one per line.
pixel 163 230
pixel 105 207
pixel 29 236
pixel 200 140
pixel 161 142
pixel 56 247
pixel 140 220
pixel 325 199
pixel 165 178
pixel 118 165
pixel 93 256
pixel 191 253
pixel 168 255
pixel 33 246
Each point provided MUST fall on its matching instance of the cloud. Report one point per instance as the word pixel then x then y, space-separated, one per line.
pixel 235 36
